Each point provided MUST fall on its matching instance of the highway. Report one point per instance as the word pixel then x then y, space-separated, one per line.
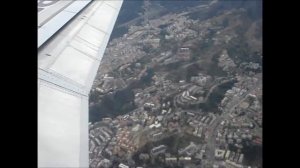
pixel 211 144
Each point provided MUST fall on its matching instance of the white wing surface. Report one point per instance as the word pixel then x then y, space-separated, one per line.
pixel 72 37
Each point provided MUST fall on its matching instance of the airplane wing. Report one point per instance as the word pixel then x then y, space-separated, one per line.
pixel 72 37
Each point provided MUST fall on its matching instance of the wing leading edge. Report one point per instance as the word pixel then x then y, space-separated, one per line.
pixel 67 66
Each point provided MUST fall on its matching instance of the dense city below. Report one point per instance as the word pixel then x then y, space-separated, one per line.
pixel 182 87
